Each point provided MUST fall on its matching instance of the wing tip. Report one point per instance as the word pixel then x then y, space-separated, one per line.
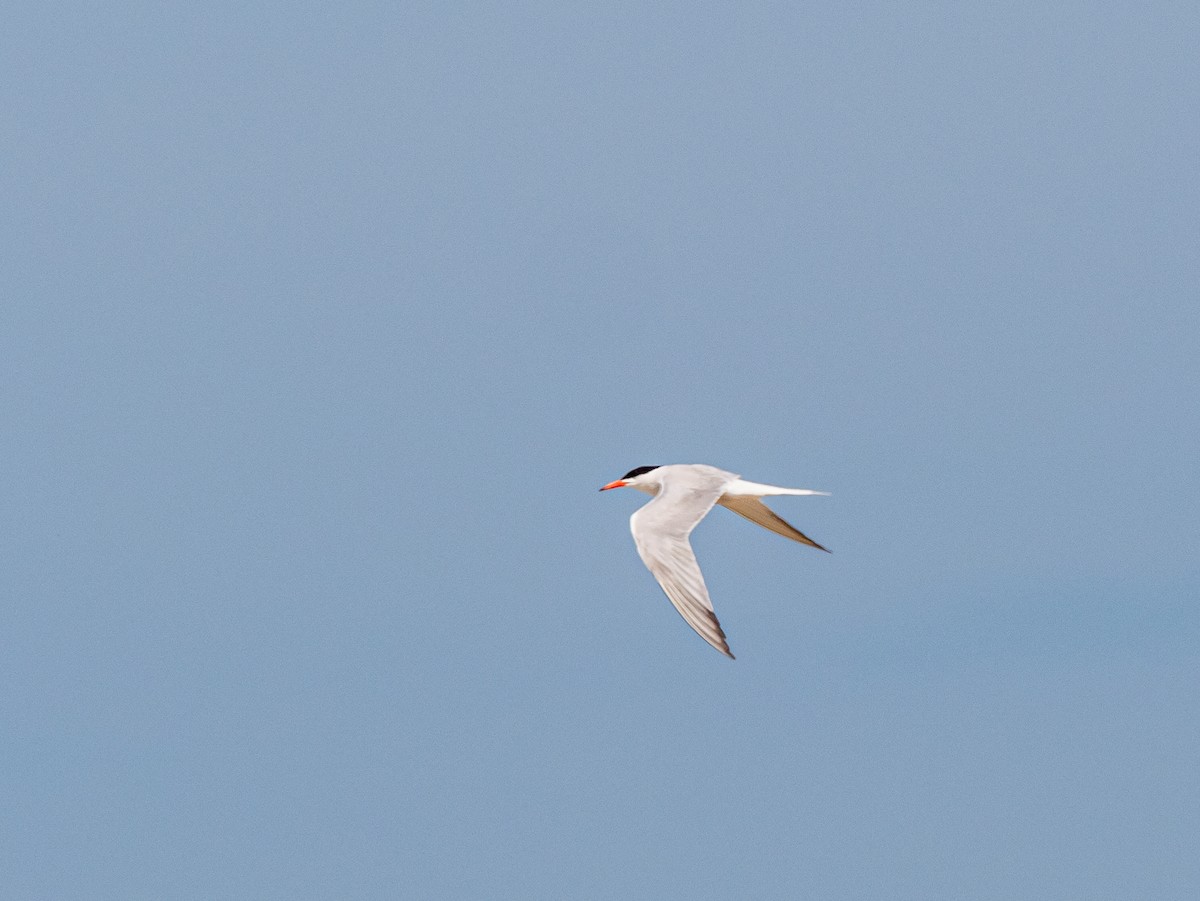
pixel 723 647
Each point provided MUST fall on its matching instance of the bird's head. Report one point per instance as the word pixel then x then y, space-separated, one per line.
pixel 643 478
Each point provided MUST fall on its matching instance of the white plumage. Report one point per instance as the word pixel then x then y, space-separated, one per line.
pixel 683 494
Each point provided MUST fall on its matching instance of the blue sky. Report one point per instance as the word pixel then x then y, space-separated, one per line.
pixel 323 324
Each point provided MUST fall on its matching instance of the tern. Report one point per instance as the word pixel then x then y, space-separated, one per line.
pixel 683 493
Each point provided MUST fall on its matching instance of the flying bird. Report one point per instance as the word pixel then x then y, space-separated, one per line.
pixel 683 494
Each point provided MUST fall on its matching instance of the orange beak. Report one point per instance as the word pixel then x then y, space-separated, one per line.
pixel 617 484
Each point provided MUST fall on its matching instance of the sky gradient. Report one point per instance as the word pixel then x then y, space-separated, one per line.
pixel 323 324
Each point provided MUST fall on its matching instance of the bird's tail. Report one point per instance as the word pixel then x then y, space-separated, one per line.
pixel 757 489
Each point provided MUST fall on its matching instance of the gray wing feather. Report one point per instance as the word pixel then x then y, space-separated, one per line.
pixel 660 531
pixel 759 513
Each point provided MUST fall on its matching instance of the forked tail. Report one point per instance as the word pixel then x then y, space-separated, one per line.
pixel 757 489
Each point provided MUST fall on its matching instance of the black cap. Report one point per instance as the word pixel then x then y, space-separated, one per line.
pixel 641 470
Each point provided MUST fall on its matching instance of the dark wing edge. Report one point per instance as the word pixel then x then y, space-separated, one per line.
pixel 675 568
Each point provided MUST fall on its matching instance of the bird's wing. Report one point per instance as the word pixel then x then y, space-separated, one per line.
pixel 757 512
pixel 660 531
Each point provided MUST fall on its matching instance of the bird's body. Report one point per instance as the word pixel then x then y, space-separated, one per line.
pixel 683 494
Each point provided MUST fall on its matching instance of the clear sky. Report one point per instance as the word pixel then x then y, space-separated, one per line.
pixel 322 324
